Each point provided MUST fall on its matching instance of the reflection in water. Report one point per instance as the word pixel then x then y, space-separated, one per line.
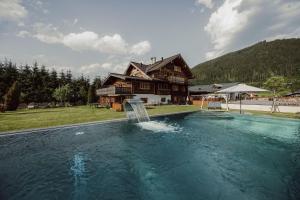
pixel 78 170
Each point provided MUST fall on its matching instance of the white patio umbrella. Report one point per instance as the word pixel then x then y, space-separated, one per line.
pixel 241 88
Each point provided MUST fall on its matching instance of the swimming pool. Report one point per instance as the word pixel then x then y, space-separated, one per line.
pixel 202 155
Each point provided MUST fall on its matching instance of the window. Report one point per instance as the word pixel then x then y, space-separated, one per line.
pixel 163 86
pixel 177 69
pixel 175 87
pixel 163 99
pixel 144 85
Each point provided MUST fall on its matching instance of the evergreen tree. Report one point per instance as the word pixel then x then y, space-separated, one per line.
pixel 44 90
pixel 12 97
pixel 83 94
pixel 97 83
pixel 36 83
pixel 8 75
pixel 69 77
pixel 62 78
pixel 91 94
pixel 2 85
pixel 53 82
pixel 25 83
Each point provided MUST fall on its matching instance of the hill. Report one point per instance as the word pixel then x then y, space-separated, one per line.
pixel 253 64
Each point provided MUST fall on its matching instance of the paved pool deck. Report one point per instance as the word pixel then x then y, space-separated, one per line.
pixel 267 108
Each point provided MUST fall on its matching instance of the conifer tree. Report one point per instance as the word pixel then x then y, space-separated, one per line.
pixel 91 94
pixel 97 83
pixel 12 97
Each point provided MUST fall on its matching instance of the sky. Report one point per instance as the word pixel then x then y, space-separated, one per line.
pixel 95 37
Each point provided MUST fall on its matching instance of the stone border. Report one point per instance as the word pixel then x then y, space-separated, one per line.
pixel 34 130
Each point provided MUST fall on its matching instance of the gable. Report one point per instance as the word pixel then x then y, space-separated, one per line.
pixel 174 64
pixel 133 70
pixel 176 67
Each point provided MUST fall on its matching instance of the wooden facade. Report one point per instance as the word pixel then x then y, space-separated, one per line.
pixel 165 78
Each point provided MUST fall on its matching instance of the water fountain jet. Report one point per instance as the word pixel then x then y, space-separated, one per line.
pixel 135 110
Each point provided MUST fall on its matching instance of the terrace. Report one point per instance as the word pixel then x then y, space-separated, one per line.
pixel 113 90
pixel 176 79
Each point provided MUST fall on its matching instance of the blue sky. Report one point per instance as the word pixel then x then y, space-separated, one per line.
pixel 94 37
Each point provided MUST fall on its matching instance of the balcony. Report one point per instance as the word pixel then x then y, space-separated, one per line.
pixel 113 90
pixel 163 91
pixel 176 79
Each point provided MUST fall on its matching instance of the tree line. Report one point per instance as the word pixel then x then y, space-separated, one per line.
pixel 36 84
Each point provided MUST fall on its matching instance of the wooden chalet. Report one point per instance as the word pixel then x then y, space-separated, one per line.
pixel 164 81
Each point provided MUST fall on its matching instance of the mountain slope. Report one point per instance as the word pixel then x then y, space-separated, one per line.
pixel 253 64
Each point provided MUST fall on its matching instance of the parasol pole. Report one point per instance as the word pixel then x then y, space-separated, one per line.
pixel 227 108
pixel 240 103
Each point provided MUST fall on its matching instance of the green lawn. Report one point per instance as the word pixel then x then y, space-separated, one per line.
pixel 38 118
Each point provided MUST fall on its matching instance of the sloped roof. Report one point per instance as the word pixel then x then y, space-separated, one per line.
pixel 145 68
pixel 161 63
pixel 242 88
pixel 157 65
pixel 141 66
pixel 125 77
pixel 211 88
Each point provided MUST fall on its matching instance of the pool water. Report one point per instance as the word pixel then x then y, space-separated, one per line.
pixel 203 155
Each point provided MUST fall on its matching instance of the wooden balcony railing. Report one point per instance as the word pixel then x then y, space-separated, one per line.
pixel 176 79
pixel 163 92
pixel 113 90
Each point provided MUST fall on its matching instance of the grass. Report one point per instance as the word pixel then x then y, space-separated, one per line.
pixel 41 118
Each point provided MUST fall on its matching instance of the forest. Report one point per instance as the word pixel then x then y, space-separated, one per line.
pixel 38 84
pixel 254 64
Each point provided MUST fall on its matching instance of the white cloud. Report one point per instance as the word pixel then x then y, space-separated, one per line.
pixel 39 3
pixel 12 10
pixel 23 34
pixel 80 41
pixel 45 11
pixel 87 40
pixel 114 44
pixel 21 24
pixel 47 33
pixel 102 70
pixel 237 23
pixel 224 24
pixel 293 34
pixel 141 48
pixel 207 3
pixel 75 21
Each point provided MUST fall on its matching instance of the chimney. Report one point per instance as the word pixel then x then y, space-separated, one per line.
pixel 153 59
pixel 162 58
